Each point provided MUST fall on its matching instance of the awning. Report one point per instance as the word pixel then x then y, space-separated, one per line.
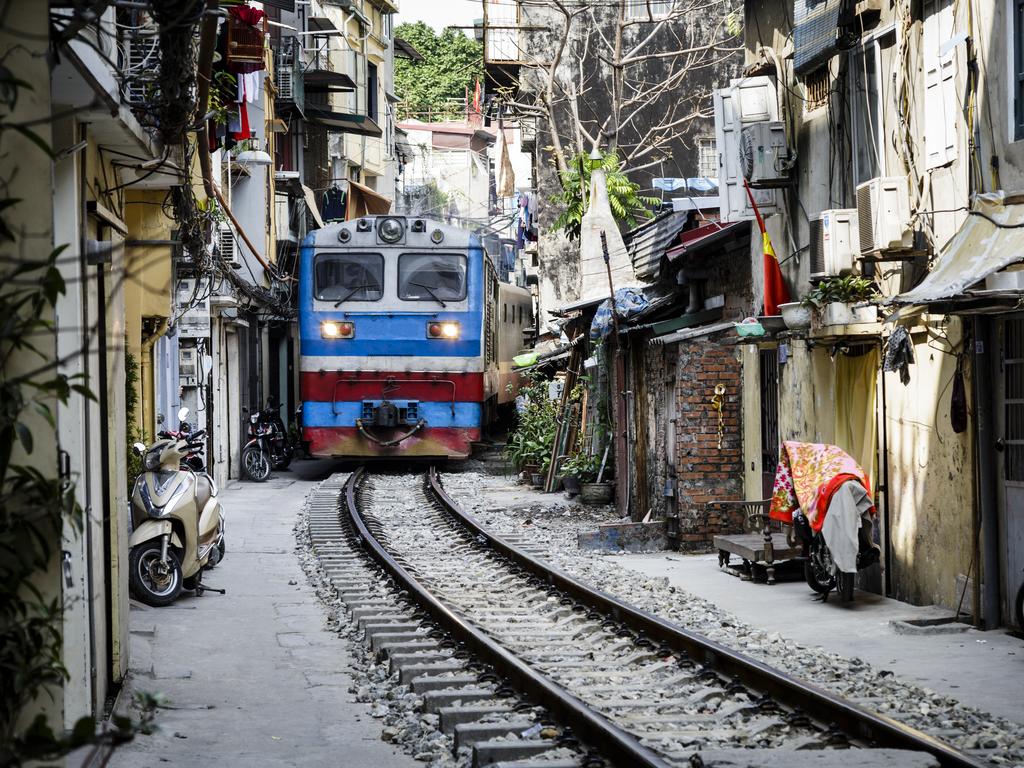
pixel 404 50
pixel 325 81
pixel 363 201
pixel 307 195
pixel 991 238
pixel 343 122
pixel 690 333
pixel 647 243
pixel 713 235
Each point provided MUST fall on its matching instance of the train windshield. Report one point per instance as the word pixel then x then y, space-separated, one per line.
pixel 349 276
pixel 432 276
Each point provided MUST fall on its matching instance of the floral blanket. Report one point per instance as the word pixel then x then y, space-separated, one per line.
pixel 807 476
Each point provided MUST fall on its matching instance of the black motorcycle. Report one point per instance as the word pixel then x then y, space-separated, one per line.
pixel 269 446
pixel 820 570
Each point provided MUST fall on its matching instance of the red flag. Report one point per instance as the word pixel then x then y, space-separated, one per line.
pixel 775 290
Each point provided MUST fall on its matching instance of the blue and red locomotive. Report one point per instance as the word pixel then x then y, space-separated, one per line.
pixel 406 338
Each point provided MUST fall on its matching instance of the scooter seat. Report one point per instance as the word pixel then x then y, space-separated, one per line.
pixel 204 490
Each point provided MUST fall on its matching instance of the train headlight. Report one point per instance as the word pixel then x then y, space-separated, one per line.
pixel 443 330
pixel 390 230
pixel 436 237
pixel 335 329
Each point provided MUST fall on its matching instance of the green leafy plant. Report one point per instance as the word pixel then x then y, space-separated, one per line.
pixel 530 444
pixel 435 88
pixel 628 206
pixel 847 289
pixel 583 466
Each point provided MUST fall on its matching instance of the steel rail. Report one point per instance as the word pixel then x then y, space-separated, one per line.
pixel 615 744
pixel 873 729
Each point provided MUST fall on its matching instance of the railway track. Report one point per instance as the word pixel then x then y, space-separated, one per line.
pixel 525 664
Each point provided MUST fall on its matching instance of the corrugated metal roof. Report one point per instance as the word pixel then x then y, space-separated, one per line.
pixel 647 243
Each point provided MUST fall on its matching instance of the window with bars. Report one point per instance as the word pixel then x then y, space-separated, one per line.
pixel 707 158
pixel 817 86
pixel 1013 397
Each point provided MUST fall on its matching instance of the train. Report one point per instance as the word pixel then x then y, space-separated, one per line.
pixel 406 338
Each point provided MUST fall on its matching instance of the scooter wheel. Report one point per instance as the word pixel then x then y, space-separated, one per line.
pixel 256 464
pixel 149 580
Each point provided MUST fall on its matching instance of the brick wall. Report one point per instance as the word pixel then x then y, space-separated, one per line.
pixel 705 471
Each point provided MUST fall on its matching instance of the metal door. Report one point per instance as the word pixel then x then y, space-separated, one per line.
pixel 1010 441
pixel 769 367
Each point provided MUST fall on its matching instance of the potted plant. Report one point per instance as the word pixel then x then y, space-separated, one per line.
pixel 843 301
pixel 584 468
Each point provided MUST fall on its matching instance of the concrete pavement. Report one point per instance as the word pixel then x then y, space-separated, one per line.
pixel 253 677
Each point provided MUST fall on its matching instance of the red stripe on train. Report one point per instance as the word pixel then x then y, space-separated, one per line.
pixel 431 442
pixel 332 387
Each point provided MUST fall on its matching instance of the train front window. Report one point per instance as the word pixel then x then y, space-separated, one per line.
pixel 344 277
pixel 436 277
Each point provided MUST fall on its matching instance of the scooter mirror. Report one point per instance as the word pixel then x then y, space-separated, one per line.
pixel 139 448
pixel 183 413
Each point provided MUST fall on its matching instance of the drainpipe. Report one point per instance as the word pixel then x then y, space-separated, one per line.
pixel 146 370
pixel 986 445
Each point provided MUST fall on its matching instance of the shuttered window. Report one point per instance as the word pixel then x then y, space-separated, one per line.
pixel 941 106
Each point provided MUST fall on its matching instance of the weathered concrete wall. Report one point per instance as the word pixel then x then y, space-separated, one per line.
pixel 931 478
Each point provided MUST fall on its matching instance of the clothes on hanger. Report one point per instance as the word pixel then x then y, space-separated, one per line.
pixel 332 206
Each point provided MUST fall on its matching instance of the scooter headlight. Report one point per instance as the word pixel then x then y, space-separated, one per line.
pixel 151 461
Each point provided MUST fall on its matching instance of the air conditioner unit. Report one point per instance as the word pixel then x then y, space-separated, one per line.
pixel 834 243
pixel 227 246
pixel 141 66
pixel 764 154
pixel 883 213
pixel 283 75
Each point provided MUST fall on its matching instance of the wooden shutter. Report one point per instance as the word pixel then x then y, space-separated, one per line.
pixel 941 107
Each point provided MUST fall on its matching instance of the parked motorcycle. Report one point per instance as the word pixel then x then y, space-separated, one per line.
pixel 821 572
pixel 177 520
pixel 269 446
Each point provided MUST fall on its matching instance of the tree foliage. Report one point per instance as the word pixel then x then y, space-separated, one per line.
pixel 435 88
pixel 627 205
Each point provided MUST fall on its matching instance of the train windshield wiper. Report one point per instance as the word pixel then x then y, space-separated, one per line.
pixel 351 293
pixel 430 290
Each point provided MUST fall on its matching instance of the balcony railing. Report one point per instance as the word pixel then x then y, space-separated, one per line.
pixel 288 73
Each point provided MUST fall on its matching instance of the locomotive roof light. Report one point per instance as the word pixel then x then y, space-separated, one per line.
pixel 436 237
pixel 419 226
pixel 335 329
pixel 344 234
pixel 390 230
pixel 363 225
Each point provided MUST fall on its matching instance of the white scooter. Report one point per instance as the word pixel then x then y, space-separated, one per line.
pixel 177 521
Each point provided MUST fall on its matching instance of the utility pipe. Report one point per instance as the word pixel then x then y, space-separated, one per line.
pixel 985 440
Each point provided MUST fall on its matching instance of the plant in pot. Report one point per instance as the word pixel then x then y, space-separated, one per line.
pixel 577 469
pixel 834 301
pixel 585 467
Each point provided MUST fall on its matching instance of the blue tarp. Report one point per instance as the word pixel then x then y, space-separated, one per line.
pixel 628 302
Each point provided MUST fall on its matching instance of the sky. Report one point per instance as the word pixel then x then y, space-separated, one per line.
pixel 440 13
